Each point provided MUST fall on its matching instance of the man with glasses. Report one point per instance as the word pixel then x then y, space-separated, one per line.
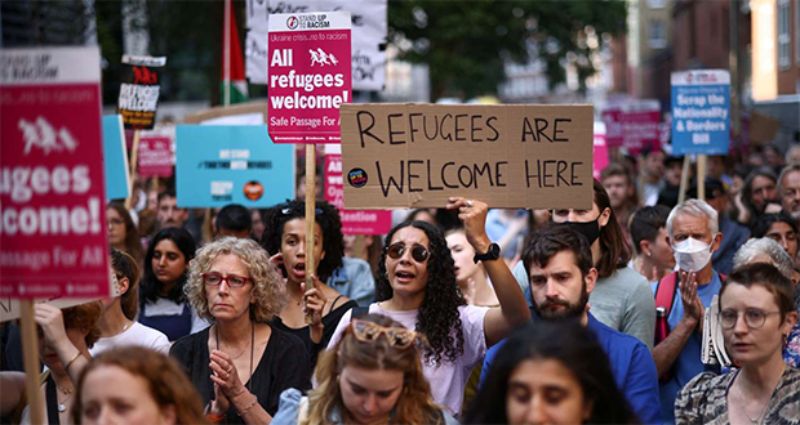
pixel 693 232
pixel 559 265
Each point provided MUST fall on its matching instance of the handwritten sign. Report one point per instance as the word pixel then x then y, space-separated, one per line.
pixel 309 76
pixel 511 156
pixel 52 194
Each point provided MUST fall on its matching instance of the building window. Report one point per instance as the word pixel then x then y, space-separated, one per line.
pixel 797 31
pixel 658 34
pixel 784 35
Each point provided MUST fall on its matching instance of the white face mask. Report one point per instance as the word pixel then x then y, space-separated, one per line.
pixel 691 255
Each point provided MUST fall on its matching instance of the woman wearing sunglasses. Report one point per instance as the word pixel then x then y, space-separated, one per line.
pixel 756 314
pixel 241 364
pixel 372 375
pixel 285 235
pixel 417 287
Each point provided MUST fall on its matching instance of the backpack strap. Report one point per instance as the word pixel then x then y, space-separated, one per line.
pixel 666 289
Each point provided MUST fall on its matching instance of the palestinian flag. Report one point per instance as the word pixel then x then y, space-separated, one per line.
pixel 232 61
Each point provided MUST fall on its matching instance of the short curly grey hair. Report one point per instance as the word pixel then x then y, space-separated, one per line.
pixel 269 290
pixel 758 247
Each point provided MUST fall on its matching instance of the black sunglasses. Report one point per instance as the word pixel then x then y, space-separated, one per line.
pixel 418 252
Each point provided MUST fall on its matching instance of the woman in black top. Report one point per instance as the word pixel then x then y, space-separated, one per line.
pixel 285 235
pixel 241 364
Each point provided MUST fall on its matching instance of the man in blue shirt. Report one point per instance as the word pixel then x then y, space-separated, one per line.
pixel 694 234
pixel 559 264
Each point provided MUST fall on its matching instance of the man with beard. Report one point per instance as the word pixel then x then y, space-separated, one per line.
pixel 559 265
pixel 789 190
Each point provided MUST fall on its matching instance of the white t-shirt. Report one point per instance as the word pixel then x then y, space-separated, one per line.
pixel 447 379
pixel 139 335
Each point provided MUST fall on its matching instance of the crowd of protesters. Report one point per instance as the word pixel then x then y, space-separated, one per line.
pixel 465 314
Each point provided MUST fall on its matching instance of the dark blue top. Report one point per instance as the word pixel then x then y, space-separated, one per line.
pixel 631 363
pixel 734 235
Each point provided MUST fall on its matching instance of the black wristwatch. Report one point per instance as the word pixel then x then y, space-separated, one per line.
pixel 492 254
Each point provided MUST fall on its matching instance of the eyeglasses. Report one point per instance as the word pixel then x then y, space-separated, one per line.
pixel 753 317
pixel 216 279
pixel 396 336
pixel 418 252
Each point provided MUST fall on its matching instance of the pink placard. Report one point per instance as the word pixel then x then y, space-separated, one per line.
pixel 354 222
pixel 600 152
pixel 309 76
pixel 640 126
pixel 155 156
pixel 612 118
pixel 52 215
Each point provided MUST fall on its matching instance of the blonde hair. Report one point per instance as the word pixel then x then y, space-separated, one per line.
pixel 268 293
pixel 415 404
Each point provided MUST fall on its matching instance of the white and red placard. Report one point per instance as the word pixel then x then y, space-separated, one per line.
pixel 156 157
pixel 309 76
pixel 52 213
pixel 354 222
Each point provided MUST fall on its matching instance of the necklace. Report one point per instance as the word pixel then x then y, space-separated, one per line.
pixel 752 420
pixel 62 405
pixel 252 350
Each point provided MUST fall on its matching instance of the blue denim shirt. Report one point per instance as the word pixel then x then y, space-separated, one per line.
pixel 631 364
pixel 354 280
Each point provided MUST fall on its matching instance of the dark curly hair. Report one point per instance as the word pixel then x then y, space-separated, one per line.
pixel 438 317
pixel 327 216
pixel 150 284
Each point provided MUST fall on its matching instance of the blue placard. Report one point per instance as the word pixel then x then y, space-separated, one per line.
pixel 219 165
pixel 116 158
pixel 701 103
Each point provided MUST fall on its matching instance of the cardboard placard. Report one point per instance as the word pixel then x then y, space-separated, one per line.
pixel 52 184
pixel 354 222
pixel 219 165
pixel 118 183
pixel 138 97
pixel 510 156
pixel 701 101
pixel 309 76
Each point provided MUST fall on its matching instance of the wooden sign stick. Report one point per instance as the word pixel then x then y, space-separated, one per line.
pixel 311 204
pixel 134 165
pixel 30 350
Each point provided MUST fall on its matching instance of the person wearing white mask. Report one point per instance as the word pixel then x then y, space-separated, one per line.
pixel 693 232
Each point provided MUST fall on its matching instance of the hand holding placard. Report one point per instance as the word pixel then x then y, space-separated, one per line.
pixel 473 214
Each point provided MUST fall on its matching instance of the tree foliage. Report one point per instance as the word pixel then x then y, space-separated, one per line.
pixel 466 43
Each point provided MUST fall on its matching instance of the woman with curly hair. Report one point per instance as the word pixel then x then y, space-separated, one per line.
pixel 241 364
pixel 135 385
pixel 417 287
pixel 163 303
pixel 372 375
pixel 285 235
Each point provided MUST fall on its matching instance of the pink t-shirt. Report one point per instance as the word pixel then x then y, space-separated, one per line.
pixel 447 379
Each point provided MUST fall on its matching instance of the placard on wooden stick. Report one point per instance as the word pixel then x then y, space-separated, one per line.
pixel 510 156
